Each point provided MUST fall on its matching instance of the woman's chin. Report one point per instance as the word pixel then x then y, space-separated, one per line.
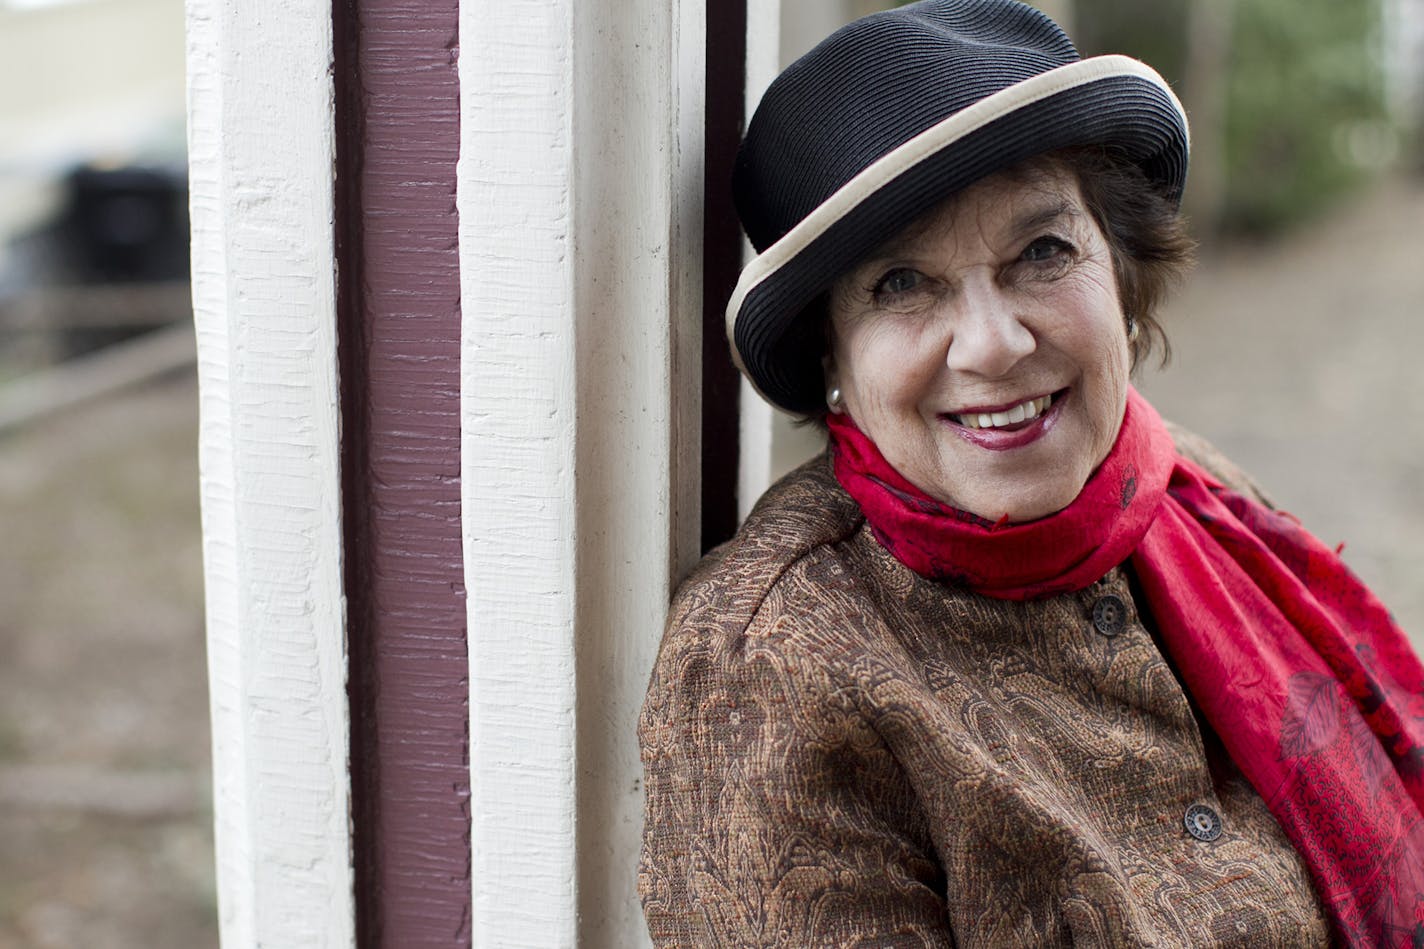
pixel 1021 503
pixel 1025 484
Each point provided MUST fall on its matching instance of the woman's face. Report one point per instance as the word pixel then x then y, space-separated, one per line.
pixel 983 349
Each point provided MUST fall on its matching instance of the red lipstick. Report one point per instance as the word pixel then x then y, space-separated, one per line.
pixel 1010 437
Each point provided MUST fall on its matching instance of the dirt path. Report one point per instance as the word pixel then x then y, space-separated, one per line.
pixel 105 839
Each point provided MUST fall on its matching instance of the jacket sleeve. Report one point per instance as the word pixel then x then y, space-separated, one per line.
pixel 775 816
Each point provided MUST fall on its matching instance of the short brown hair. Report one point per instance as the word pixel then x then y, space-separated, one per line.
pixel 1151 247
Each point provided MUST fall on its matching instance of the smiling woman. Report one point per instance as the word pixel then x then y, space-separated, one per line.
pixel 1015 662
pixel 986 351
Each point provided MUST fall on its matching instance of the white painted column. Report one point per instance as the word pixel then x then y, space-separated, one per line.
pixel 779 32
pixel 758 419
pixel 580 234
pixel 261 150
pixel 804 23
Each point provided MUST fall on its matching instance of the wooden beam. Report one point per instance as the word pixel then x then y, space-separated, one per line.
pixel 261 157
pixel 758 420
pixel 580 239
pixel 519 417
pixel 96 307
pixel 398 111
pixel 104 372
pixel 722 264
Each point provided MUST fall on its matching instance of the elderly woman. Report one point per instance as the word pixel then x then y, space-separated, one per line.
pixel 1015 663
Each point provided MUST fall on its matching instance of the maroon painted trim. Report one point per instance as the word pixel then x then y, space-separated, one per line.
pixel 722 261
pixel 397 93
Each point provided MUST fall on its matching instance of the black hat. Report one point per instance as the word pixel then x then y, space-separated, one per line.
pixel 889 116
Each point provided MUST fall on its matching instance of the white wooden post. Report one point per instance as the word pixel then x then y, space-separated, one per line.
pixel 804 23
pixel 580 233
pixel 261 149
pixel 758 420
pixel 777 32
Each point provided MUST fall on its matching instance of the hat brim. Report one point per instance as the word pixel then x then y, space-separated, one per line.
pixel 1106 100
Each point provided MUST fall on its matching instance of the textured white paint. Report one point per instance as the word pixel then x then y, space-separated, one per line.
pixel 580 191
pixel 638 213
pixel 758 425
pixel 764 26
pixel 517 474
pixel 758 421
pixel 260 151
pixel 804 23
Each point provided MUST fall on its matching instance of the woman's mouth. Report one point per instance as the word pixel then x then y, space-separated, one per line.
pixel 1025 411
pixel 1005 428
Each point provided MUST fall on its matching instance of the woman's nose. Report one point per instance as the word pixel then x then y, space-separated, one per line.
pixel 989 338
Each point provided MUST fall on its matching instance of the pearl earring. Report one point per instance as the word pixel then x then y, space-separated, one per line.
pixel 1132 329
pixel 833 398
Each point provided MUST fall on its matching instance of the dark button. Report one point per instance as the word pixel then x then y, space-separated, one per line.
pixel 1109 615
pixel 1202 822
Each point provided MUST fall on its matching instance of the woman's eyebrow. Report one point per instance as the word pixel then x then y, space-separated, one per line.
pixel 1032 219
pixel 1035 218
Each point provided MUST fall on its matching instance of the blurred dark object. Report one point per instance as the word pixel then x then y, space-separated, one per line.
pixel 125 225
pixel 111 263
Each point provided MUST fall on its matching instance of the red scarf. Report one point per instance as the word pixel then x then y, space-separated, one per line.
pixel 1314 690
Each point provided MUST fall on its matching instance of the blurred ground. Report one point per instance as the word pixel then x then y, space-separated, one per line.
pixel 105 825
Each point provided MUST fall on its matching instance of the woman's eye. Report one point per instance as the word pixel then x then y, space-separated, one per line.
pixel 1045 249
pixel 901 280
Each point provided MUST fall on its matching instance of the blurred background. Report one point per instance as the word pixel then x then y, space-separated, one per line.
pixel 105 836
pixel 1296 348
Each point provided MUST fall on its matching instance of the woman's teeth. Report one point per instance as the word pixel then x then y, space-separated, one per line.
pixel 1023 412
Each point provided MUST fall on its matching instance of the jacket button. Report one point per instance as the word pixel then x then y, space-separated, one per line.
pixel 1202 822
pixel 1109 615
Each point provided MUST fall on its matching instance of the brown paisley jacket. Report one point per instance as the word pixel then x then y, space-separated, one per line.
pixel 839 752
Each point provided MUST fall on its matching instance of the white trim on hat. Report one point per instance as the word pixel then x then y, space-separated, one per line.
pixel 933 139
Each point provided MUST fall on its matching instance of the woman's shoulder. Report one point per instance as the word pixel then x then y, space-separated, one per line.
pixel 790 531
pixel 748 624
pixel 1197 449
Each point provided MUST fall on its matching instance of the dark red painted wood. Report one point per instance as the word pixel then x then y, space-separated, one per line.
pixel 726 84
pixel 399 303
